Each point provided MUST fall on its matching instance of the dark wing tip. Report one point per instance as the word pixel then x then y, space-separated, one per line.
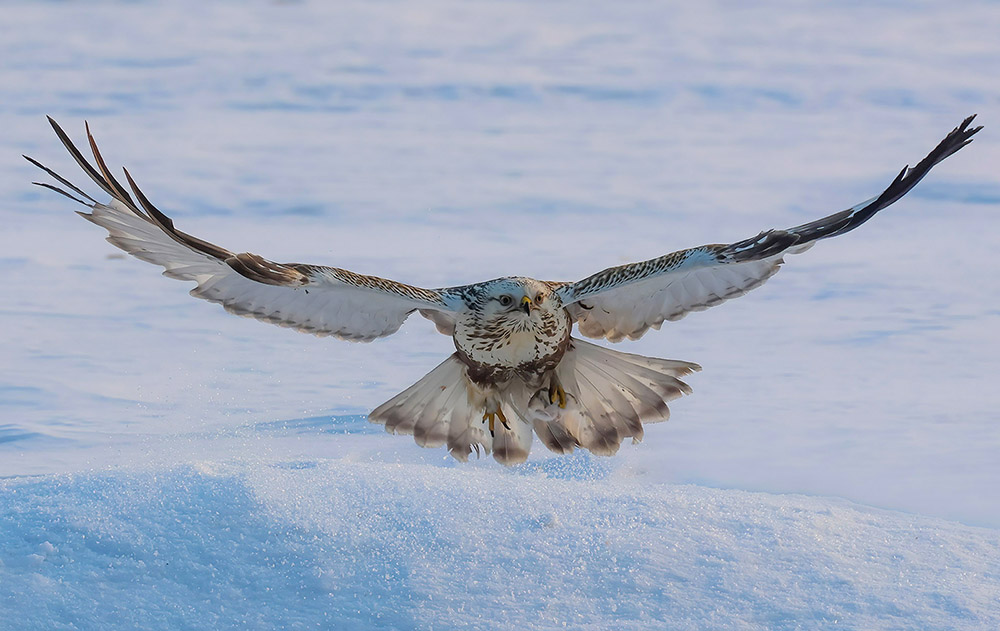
pixel 966 123
pixel 155 213
pixel 849 219
pixel 62 181
pixel 167 225
pixel 61 192
pixel 80 160
pixel 102 177
pixel 33 161
pixel 963 128
pixel 958 138
pixel 118 190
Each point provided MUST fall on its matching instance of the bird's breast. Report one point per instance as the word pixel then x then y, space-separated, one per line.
pixel 513 344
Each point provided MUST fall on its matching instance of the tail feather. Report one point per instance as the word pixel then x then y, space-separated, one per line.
pixel 402 413
pixel 555 437
pixel 433 422
pixel 610 395
pixel 611 413
pixel 616 392
pixel 512 444
pixel 441 408
pixel 645 394
pixel 651 381
pixel 465 435
pixel 431 426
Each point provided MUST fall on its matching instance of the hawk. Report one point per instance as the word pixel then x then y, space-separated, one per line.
pixel 517 370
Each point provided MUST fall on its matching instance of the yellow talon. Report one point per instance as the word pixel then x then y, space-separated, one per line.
pixel 503 419
pixel 556 392
pixel 491 417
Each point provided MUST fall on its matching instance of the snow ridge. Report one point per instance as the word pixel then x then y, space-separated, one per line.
pixel 340 544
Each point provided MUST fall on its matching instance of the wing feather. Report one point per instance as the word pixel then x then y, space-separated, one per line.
pixel 627 300
pixel 309 298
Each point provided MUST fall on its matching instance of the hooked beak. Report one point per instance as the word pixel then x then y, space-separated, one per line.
pixel 527 305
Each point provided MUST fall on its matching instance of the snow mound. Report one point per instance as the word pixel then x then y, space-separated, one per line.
pixel 350 545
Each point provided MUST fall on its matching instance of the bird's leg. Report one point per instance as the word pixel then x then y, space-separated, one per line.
pixel 492 416
pixel 556 392
pixel 503 419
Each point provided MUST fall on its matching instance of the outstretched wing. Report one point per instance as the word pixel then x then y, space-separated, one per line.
pixel 309 298
pixel 627 300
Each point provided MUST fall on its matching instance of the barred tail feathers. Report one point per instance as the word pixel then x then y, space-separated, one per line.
pixel 610 395
pixel 445 408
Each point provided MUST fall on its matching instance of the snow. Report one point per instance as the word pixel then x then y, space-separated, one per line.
pixel 169 466
pixel 335 544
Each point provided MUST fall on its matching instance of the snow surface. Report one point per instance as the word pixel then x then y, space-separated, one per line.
pixel 170 466
pixel 347 545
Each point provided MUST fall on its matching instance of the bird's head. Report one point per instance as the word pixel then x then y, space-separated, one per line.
pixel 516 299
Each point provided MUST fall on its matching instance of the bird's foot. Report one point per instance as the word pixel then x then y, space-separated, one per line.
pixel 492 416
pixel 556 393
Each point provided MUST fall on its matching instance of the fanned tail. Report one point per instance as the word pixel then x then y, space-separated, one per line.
pixel 446 408
pixel 610 395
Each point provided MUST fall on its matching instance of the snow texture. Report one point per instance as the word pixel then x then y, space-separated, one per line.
pixel 170 466
pixel 347 545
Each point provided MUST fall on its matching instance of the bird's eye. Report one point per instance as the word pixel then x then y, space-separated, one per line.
pixel 539 298
pixel 506 300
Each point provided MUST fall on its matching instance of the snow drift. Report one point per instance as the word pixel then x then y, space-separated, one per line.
pixel 348 545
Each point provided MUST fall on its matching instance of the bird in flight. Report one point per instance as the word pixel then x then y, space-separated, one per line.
pixel 517 370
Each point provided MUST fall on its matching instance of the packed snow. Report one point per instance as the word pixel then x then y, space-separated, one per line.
pixel 168 466
pixel 342 544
